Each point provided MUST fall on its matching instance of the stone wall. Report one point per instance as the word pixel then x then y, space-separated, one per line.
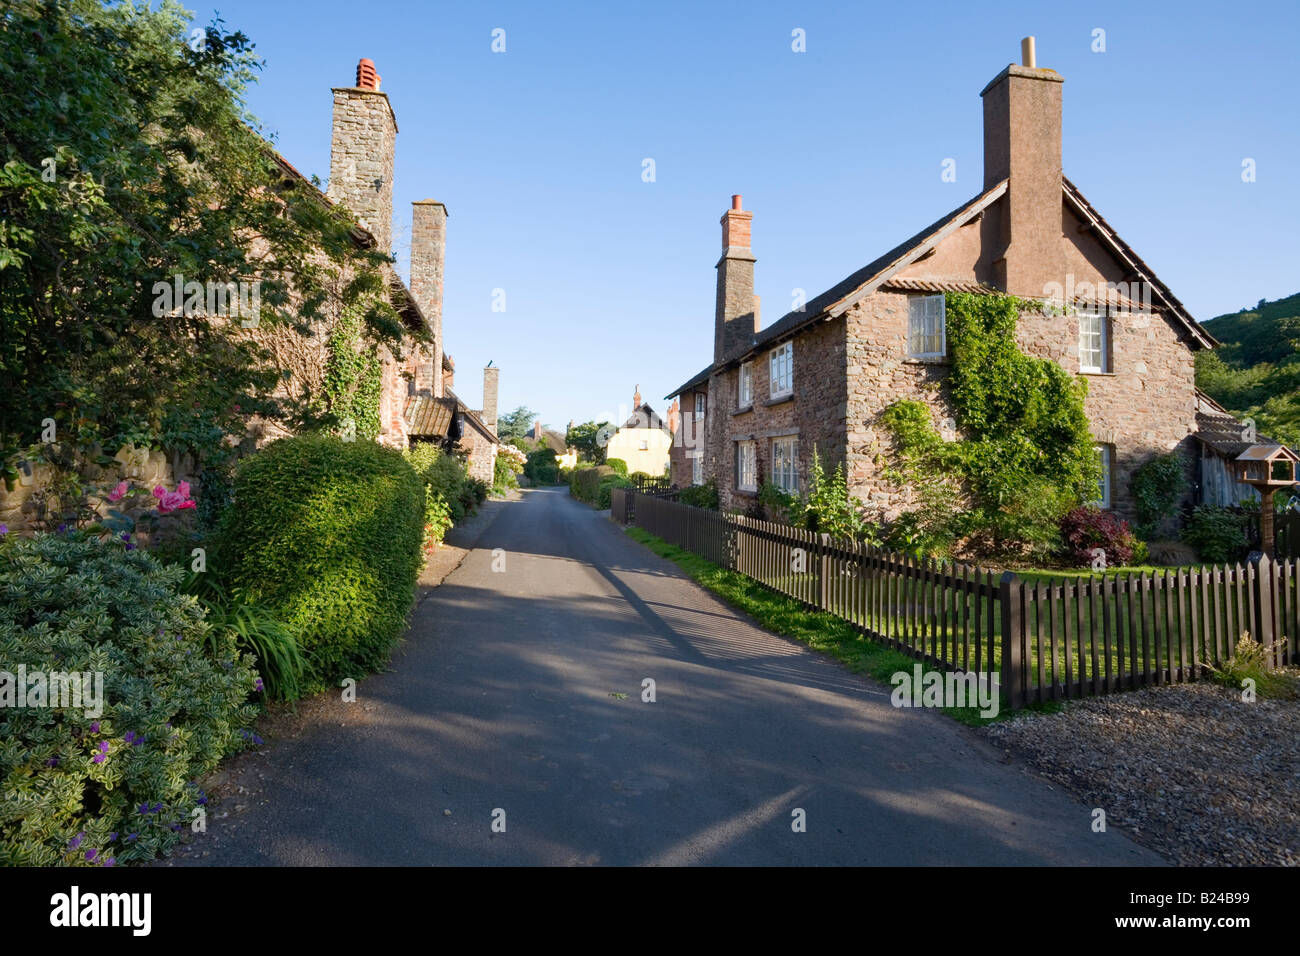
pixel 20 507
pixel 480 453
pixel 361 159
pixel 814 414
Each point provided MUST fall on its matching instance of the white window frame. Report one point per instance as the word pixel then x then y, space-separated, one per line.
pixel 697 469
pixel 699 405
pixel 644 445
pixel 921 309
pixel 1103 501
pixel 785 463
pixel 780 368
pixel 1101 334
pixel 745 387
pixel 746 450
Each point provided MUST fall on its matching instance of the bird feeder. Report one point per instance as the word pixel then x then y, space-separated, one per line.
pixel 1267 468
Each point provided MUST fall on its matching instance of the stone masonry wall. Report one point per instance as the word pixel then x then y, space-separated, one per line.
pixel 1145 406
pixel 361 159
pixel 815 415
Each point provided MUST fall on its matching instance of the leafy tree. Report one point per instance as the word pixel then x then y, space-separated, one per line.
pixel 589 439
pixel 513 426
pixel 127 158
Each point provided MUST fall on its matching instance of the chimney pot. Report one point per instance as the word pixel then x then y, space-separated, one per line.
pixel 735 202
pixel 1027 56
pixel 367 78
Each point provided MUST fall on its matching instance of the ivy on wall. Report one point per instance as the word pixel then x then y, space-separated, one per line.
pixel 1025 453
pixel 353 378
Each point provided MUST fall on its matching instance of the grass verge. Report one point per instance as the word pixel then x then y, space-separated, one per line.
pixel 815 629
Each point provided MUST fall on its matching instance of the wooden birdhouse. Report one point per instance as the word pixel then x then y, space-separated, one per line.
pixel 1267 466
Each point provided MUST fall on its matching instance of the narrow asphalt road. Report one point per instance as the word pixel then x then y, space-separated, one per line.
pixel 516 698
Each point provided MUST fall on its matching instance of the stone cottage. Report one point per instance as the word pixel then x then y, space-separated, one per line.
pixel 822 374
pixel 417 401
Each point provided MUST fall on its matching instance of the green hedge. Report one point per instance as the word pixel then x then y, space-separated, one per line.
pixel 584 483
pixel 96 785
pixel 328 534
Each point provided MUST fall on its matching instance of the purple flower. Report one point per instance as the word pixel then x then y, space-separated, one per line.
pixel 126 535
pixel 257 740
pixel 94 728
pixel 130 546
pixel 176 827
pixel 131 837
pixel 157 808
pixel 258 685
pixel 52 762
pixel 110 861
pixel 144 808
pixel 62 528
pixel 103 752
pixel 203 799
pixel 128 737
pixel 4 529
pixel 90 854
pixel 76 841
pixel 112 836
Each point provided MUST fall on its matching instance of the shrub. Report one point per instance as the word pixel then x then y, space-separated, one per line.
pixel 618 464
pixel 541 467
pixel 327 534
pixel 445 475
pixel 603 495
pixel 701 496
pixel 1157 486
pixel 1085 529
pixel 1218 534
pixel 87 789
pixel 584 483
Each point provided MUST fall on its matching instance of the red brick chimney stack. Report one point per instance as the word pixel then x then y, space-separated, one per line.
pixel 1022 144
pixel 735 318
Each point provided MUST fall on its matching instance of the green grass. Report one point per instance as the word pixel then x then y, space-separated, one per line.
pixel 815 629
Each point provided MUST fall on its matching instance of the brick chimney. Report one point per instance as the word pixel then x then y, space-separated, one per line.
pixel 361 154
pixel 736 312
pixel 490 374
pixel 636 397
pixel 674 416
pixel 1022 143
pixel 428 244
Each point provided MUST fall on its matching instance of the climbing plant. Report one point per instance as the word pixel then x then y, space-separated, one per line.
pixel 1025 455
pixel 353 379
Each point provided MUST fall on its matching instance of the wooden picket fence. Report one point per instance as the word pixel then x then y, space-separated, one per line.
pixel 1077 637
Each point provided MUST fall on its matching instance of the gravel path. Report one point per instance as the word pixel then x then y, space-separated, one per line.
pixel 1190 770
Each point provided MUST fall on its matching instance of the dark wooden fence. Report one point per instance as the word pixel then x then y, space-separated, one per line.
pixel 650 486
pixel 1075 637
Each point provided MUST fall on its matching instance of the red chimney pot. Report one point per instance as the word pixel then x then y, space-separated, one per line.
pixel 735 202
pixel 367 78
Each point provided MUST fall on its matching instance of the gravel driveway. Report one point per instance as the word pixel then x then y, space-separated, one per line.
pixel 1190 770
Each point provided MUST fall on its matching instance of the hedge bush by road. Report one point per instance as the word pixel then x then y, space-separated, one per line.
pixel 328 533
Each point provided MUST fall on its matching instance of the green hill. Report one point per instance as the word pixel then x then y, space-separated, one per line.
pixel 1256 373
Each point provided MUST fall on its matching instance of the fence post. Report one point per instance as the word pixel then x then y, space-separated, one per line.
pixel 1263 598
pixel 1009 592
pixel 825 572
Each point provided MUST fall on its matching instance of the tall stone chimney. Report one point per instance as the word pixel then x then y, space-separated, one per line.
pixel 735 315
pixel 490 374
pixel 1022 143
pixel 428 248
pixel 361 154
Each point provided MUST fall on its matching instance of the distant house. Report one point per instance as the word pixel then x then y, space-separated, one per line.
pixel 643 441
pixel 821 375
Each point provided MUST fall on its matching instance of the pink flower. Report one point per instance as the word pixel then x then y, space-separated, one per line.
pixel 178 500
pixel 119 492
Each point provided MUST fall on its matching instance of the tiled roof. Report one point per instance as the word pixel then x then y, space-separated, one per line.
pixel 1219 430
pixel 937 285
pixel 429 417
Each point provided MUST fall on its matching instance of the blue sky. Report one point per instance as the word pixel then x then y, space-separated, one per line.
pixel 609 281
